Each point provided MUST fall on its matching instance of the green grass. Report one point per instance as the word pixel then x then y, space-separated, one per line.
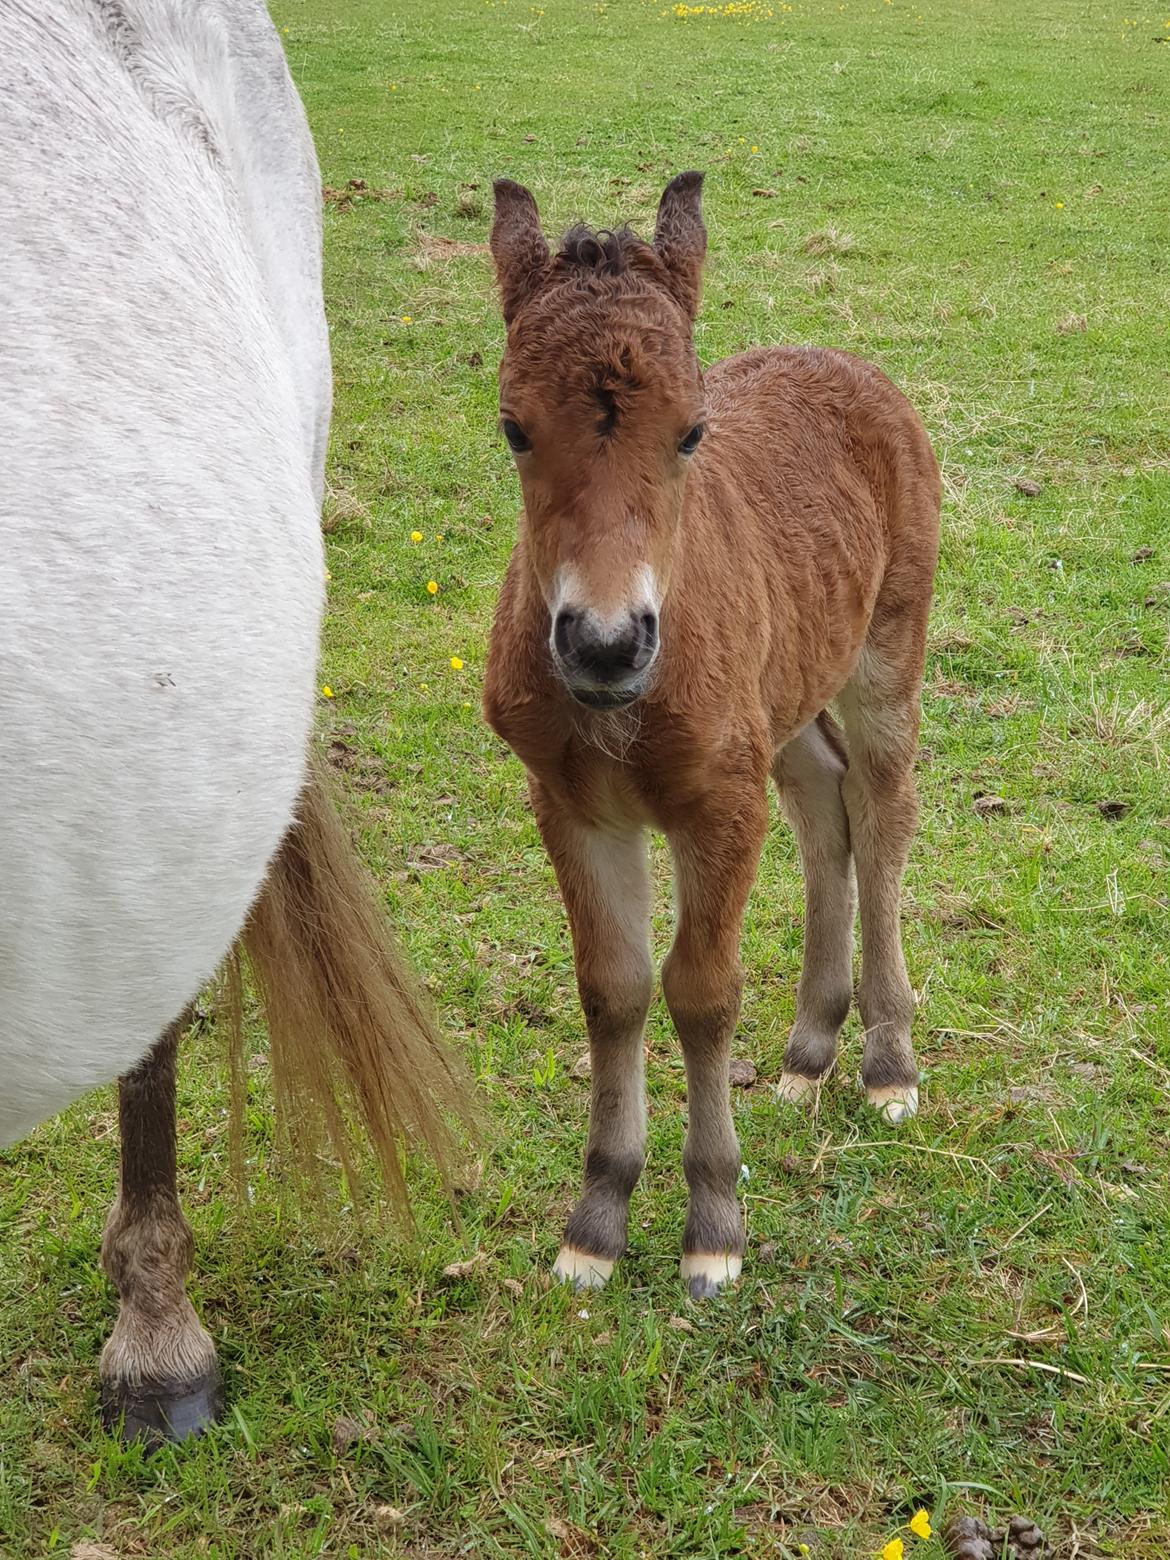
pixel 972 194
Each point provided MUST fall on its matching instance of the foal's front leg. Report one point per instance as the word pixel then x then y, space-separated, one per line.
pixel 159 1375
pixel 716 858
pixel 605 882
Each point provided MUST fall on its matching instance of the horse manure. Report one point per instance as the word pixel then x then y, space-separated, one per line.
pixel 967 1538
pixel 1024 1537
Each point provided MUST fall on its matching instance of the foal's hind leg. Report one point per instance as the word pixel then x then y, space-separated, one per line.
pixel 605 882
pixel 716 858
pixel 158 1369
pixel 880 704
pixel 808 772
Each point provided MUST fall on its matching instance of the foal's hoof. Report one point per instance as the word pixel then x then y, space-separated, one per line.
pixel 155 1413
pixel 894 1104
pixel 705 1273
pixel 580 1269
pixel 795 1088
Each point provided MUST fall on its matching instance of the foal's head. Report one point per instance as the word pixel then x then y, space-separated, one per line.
pixel 601 400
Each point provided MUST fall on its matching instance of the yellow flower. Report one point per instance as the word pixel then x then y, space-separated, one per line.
pixel 326 692
pixel 755 148
pixel 416 536
pixel 920 1525
pixel 456 664
pixel 438 536
pixel 894 1550
pixel 328 576
pixel 405 318
pixel 433 587
pixel 1060 205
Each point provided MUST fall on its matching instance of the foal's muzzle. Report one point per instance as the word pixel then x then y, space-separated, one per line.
pixel 605 665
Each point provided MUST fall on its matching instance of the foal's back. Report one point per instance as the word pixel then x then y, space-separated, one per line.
pixel 814 502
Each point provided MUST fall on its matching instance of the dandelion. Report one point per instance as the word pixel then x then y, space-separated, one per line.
pixel 755 149
pixel 432 587
pixel 1060 205
pixel 416 536
pixel 920 1525
pixel 438 536
pixel 456 664
pixel 326 692
pixel 406 318
pixel 894 1550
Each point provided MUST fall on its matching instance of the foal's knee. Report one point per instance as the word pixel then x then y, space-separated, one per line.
pixel 703 998
pixel 616 1008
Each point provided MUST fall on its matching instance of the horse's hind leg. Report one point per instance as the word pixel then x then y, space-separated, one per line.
pixel 159 1375
pixel 809 771
pixel 605 882
pixel 880 704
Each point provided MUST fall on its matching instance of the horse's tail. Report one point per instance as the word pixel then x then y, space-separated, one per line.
pixel 352 1041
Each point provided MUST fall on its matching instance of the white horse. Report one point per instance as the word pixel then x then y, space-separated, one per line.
pixel 164 410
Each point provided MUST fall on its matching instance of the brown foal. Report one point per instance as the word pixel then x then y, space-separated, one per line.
pixel 704 561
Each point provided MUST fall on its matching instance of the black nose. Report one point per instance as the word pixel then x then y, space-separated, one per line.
pixel 605 658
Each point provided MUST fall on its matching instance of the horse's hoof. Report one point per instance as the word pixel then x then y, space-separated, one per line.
pixel 895 1104
pixel 705 1273
pixel 580 1269
pixel 155 1413
pixel 794 1088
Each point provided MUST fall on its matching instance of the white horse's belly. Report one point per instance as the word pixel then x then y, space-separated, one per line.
pixel 147 779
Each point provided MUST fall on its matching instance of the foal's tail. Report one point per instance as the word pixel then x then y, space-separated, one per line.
pixel 352 1041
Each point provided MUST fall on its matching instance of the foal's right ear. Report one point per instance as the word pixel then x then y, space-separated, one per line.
pixel 517 244
pixel 681 239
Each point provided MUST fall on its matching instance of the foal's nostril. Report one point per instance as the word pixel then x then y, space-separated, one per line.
pixel 562 633
pixel 649 635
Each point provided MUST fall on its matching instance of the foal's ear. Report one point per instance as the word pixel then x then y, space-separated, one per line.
pixel 681 239
pixel 517 244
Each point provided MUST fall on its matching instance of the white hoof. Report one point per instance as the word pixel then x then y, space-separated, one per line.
pixel 580 1269
pixel 705 1273
pixel 793 1089
pixel 894 1104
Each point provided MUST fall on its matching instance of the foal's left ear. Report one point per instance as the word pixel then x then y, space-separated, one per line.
pixel 681 239
pixel 517 244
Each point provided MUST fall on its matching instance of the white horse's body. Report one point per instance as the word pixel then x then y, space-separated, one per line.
pixel 164 405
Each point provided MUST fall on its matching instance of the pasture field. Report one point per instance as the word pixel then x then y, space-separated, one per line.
pixel 970 1314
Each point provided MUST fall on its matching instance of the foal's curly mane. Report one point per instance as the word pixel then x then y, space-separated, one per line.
pixel 586 253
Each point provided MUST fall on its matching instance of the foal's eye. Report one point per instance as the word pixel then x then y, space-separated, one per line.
pixel 690 444
pixel 516 436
